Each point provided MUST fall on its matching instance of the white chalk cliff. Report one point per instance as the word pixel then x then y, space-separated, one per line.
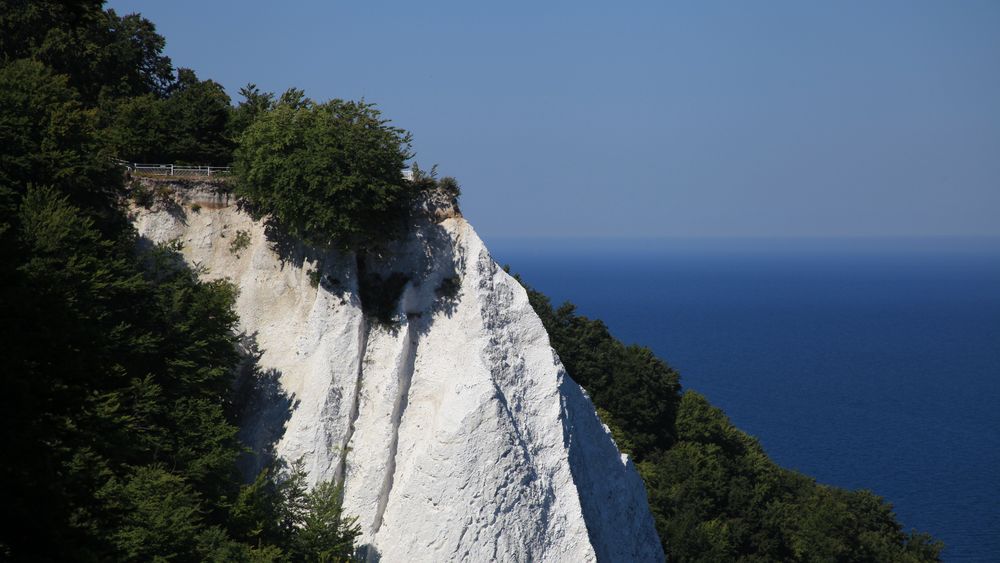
pixel 457 432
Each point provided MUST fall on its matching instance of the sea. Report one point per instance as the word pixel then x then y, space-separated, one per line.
pixel 864 363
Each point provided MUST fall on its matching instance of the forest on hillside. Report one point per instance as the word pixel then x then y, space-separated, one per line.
pixel 121 403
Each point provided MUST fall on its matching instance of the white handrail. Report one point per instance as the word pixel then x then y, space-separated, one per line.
pixel 174 169
pixel 180 170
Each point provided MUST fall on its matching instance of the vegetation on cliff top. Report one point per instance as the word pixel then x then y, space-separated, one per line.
pixel 329 173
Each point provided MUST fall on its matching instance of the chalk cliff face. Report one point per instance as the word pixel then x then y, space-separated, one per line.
pixel 456 430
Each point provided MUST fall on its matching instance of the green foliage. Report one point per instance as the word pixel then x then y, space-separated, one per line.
pixel 117 397
pixel 450 187
pixel 138 129
pixel 159 515
pixel 189 125
pixel 326 534
pixel 304 525
pixel 116 64
pixel 101 53
pixel 315 276
pixel 199 114
pixel 133 62
pixel 239 243
pixel 330 174
pixel 255 103
pixel 718 496
pixel 714 493
pixel 49 138
pixel 118 364
pixel 428 180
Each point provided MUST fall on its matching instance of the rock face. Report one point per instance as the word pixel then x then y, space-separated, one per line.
pixel 456 430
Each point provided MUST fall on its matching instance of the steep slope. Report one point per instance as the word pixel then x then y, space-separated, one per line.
pixel 455 428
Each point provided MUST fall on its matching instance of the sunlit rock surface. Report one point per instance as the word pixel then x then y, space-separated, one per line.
pixel 456 430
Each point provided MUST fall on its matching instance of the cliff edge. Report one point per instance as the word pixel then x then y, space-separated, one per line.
pixel 452 423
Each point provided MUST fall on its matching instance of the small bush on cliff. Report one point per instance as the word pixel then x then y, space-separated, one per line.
pixel 428 180
pixel 239 243
pixel 330 173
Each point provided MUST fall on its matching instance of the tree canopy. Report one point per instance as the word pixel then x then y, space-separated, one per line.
pixel 329 173
pixel 189 125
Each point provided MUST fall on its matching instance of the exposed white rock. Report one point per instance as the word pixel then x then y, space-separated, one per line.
pixel 457 432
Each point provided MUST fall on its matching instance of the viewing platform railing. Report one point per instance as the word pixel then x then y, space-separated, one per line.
pixel 144 169
pixel 183 170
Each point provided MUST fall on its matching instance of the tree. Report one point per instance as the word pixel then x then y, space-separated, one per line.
pixel 636 391
pixel 255 103
pixel 133 61
pixel 198 111
pixel 49 137
pixel 160 515
pixel 326 535
pixel 279 509
pixel 139 129
pixel 330 174
pixel 188 126
pixel 101 53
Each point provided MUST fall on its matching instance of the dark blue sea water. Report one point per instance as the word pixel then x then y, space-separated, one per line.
pixel 864 364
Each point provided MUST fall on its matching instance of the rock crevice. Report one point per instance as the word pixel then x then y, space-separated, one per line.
pixel 404 379
pixel 363 328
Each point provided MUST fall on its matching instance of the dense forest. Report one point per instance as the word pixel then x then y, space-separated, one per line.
pixel 118 364
pixel 120 410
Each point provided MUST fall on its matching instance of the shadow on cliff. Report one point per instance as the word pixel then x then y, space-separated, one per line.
pixel 425 255
pixel 415 279
pixel 156 195
pixel 289 248
pixel 368 553
pixel 161 259
pixel 439 249
pixel 262 408
pixel 326 268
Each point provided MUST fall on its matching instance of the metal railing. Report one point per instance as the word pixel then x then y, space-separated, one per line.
pixel 180 170
pixel 174 169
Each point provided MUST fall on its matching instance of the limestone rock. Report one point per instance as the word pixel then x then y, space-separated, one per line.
pixel 456 430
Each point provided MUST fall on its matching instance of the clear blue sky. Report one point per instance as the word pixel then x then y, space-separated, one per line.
pixel 696 118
